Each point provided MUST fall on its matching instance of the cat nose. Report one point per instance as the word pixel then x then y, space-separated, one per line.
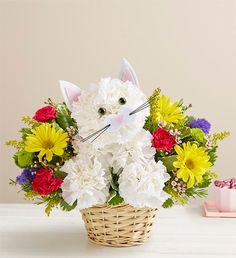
pixel 116 121
pixel 119 118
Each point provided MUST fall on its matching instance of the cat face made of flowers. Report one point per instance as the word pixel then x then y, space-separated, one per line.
pixel 108 112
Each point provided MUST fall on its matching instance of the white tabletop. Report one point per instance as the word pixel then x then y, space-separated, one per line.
pixel 25 231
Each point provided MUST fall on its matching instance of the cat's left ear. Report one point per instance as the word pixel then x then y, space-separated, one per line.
pixel 70 92
pixel 127 73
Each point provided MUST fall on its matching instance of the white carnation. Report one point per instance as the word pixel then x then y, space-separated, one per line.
pixel 86 182
pixel 136 151
pixel 141 185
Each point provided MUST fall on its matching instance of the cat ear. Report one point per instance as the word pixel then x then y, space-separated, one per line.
pixel 70 92
pixel 127 73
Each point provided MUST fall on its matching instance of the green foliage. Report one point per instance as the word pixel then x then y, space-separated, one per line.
pixel 67 207
pixel 150 124
pixel 200 190
pixel 28 120
pixel 23 158
pixel 52 203
pixel 115 198
pixel 64 118
pixel 168 161
pixel 198 135
pixel 206 180
pixel 213 155
pixel 219 136
pixel 19 145
pixel 25 132
pixel 174 195
pixel 168 203
pixel 26 187
pixel 205 183
pixel 30 195
pixel 114 182
pixel 195 192
pixel 12 182
pixel 60 174
pixel 185 131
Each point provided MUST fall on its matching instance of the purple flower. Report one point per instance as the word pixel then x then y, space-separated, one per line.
pixel 26 176
pixel 202 124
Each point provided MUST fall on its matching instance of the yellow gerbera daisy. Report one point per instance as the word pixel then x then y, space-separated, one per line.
pixel 192 163
pixel 166 111
pixel 47 140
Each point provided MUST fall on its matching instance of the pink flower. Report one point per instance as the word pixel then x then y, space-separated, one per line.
pixel 163 140
pixel 44 182
pixel 45 114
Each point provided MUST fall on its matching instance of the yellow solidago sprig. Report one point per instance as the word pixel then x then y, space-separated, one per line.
pixel 192 163
pixel 48 140
pixel 165 111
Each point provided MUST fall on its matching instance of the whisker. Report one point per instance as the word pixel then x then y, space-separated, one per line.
pixel 95 133
pixel 99 134
pixel 144 106
pixel 145 103
pixel 140 109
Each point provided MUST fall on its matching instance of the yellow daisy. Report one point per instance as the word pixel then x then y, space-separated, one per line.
pixel 166 111
pixel 47 140
pixel 192 163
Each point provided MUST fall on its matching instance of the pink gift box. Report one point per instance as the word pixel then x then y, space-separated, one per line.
pixel 225 199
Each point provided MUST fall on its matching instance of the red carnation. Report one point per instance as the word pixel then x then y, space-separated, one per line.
pixel 44 182
pixel 45 114
pixel 163 140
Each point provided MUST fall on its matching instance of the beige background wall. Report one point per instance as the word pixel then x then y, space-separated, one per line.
pixel 186 47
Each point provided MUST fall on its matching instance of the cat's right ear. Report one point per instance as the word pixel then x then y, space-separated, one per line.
pixel 70 92
pixel 127 73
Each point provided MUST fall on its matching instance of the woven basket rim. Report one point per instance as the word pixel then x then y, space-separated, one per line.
pixel 122 205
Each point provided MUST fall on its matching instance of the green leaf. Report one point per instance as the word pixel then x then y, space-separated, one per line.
pixel 168 162
pixel 204 184
pixel 206 180
pixel 150 124
pixel 212 154
pixel 113 193
pixel 174 195
pixel 168 203
pixel 25 132
pixel 185 131
pixel 195 192
pixel 115 200
pixel 23 159
pixel 114 182
pixel 67 207
pixel 198 135
pixel 64 118
pixel 60 174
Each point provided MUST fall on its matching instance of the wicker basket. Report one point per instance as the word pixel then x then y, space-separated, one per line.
pixel 121 225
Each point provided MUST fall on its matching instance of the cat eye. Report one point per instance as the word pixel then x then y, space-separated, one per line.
pixel 101 111
pixel 122 101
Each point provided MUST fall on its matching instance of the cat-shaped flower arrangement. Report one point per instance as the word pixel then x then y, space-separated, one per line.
pixel 115 158
pixel 116 155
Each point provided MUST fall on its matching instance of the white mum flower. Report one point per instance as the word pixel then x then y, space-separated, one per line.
pixel 141 185
pixel 86 182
